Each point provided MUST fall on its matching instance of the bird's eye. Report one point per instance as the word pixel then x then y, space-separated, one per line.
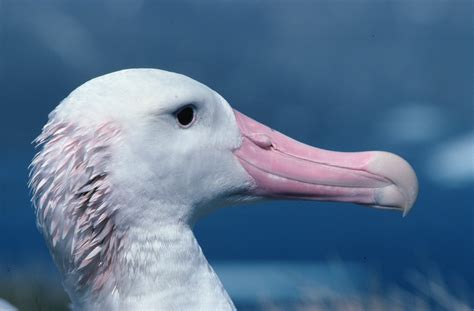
pixel 185 116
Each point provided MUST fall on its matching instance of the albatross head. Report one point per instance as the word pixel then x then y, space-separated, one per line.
pixel 143 148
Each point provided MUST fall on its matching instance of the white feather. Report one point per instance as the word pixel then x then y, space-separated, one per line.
pixel 147 179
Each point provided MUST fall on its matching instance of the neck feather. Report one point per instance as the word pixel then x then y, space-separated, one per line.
pixel 164 269
pixel 111 260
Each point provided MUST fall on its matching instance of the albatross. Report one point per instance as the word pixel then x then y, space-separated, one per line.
pixel 131 160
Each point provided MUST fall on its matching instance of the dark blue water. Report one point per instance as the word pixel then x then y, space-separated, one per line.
pixel 394 75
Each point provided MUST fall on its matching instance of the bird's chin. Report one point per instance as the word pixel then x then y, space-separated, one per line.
pixel 285 168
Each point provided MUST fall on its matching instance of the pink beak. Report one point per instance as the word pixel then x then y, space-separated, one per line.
pixel 285 168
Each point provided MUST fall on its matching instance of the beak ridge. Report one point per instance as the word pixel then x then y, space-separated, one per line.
pixel 284 168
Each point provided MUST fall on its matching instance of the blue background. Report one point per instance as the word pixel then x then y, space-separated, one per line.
pixel 341 75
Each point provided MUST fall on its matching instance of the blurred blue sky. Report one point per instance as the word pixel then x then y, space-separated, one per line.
pixel 341 75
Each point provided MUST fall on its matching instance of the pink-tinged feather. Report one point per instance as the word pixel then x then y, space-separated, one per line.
pixel 74 203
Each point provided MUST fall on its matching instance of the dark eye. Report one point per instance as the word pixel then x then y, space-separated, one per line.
pixel 185 116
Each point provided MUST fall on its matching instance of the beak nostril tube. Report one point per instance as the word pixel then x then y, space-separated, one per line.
pixel 262 140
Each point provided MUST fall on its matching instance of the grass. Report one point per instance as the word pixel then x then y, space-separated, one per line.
pixel 423 293
pixel 33 290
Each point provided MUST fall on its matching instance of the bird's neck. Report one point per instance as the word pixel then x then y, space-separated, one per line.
pixel 163 268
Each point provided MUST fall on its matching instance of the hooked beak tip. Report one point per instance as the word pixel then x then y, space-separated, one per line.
pixel 403 191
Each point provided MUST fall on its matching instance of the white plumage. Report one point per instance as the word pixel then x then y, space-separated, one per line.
pixel 119 182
